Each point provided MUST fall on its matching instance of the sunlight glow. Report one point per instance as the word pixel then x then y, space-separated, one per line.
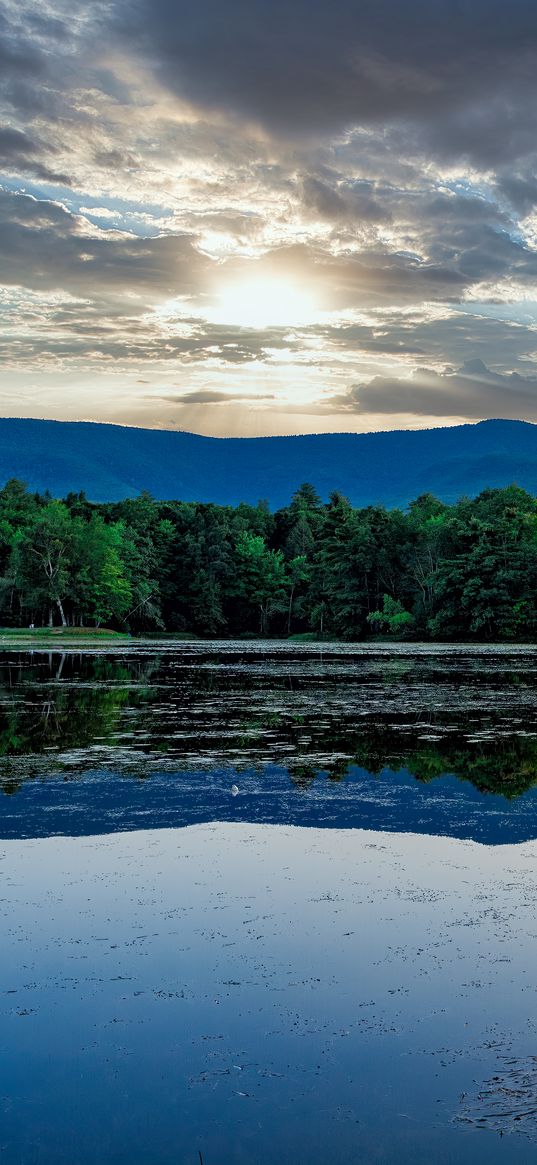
pixel 264 303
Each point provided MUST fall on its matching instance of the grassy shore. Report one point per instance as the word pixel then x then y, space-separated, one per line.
pixel 61 634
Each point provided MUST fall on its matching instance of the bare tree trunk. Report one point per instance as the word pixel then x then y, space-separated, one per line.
pixel 263 607
pixel 50 620
pixel 62 615
pixel 290 611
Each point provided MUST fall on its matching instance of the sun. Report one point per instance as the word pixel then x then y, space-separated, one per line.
pixel 263 303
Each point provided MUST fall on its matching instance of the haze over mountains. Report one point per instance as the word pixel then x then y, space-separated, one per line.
pixel 110 462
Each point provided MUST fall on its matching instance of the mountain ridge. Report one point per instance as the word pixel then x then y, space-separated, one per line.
pixel 110 462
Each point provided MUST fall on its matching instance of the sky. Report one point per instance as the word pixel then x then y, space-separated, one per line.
pixel 247 217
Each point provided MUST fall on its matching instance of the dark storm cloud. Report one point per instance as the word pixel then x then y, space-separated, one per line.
pixel 309 67
pixel 343 201
pixel 18 55
pixel 28 43
pixel 520 190
pixel 479 251
pixel 23 154
pixel 472 391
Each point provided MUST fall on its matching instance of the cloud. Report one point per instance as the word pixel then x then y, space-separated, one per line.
pixel 45 247
pixel 21 154
pixel 473 392
pixel 343 201
pixel 312 68
pixel 206 396
pixel 380 158
pixel 430 333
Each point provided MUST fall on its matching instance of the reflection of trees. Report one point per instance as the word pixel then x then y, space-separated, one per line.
pixel 500 764
pixel 27 670
pixel 506 766
pixel 72 702
pixel 213 716
pixel 302 776
pixel 67 719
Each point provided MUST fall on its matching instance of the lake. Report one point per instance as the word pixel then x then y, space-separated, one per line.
pixel 268 902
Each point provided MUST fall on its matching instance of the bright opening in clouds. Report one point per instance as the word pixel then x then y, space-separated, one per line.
pixel 268 218
pixel 263 303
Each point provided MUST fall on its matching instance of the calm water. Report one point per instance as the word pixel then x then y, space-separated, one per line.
pixel 268 903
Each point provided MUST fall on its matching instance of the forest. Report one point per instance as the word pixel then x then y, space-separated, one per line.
pixel 466 571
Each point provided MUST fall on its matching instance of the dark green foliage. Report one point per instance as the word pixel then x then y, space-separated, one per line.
pixel 467 571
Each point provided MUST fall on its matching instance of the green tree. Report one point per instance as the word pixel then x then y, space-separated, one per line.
pixel 261 577
pixel 101 590
pixel 45 551
pixel 393 618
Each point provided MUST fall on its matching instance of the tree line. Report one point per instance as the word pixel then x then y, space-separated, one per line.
pixel 436 571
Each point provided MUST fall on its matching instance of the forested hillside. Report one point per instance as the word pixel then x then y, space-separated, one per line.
pixel 435 571
pixel 111 463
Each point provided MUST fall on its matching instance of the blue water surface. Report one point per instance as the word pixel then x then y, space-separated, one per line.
pixel 226 937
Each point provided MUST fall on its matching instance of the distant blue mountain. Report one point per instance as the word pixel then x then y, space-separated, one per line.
pixel 110 462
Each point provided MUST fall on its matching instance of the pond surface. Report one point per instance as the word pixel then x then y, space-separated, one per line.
pixel 268 903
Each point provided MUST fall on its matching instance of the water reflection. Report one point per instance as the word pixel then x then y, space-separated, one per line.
pixel 471 715
pixel 182 972
pixel 425 740
pixel 266 995
pixel 58 702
